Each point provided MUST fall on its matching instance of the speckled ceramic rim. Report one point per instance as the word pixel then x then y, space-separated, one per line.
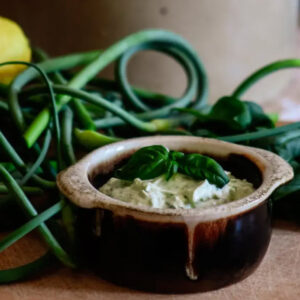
pixel 74 182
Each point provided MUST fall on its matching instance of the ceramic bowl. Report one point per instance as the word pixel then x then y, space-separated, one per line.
pixel 174 250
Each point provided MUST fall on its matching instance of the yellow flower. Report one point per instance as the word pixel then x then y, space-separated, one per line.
pixel 13 46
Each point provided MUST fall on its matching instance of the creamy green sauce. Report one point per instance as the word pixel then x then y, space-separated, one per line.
pixel 180 191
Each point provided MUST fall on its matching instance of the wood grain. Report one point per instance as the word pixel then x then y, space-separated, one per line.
pixel 276 278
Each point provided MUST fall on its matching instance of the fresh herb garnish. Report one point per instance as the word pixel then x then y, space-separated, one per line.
pixel 174 160
pixel 202 167
pixel 153 161
pixel 146 163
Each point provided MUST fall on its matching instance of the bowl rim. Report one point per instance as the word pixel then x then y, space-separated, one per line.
pixel 75 184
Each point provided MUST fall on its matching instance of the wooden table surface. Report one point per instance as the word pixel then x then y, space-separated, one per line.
pixel 277 277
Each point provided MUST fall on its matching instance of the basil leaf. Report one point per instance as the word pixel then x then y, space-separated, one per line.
pixel 173 164
pixel 175 155
pixel 153 161
pixel 146 163
pixel 172 169
pixel 202 167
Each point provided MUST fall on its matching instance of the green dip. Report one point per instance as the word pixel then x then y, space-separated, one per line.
pixel 181 191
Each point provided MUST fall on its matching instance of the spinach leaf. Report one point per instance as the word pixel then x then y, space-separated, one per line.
pixel 227 116
pixel 202 167
pixel 232 113
pixel 146 163
pixel 258 118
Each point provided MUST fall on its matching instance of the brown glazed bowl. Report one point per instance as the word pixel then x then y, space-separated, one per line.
pixel 174 250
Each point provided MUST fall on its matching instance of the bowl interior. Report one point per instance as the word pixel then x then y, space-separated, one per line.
pixel 239 165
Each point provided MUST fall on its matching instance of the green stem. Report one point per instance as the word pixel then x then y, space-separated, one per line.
pixel 49 66
pixel 30 225
pixel 37 127
pixel 25 271
pixel 116 121
pixel 53 103
pixel 113 53
pixel 152 97
pixel 264 71
pixel 30 211
pixel 67 125
pixel 260 134
pixel 92 139
pixel 31 190
pixel 69 219
pixel 20 165
pixel 179 55
pixel 82 113
pixel 152 126
pixel 3 106
pixel 40 158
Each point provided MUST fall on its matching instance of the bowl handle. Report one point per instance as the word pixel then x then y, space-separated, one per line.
pixel 75 184
pixel 276 170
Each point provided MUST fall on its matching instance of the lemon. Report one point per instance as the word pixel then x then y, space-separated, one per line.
pixel 13 46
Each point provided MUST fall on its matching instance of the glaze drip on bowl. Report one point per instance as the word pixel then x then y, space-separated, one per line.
pixel 190 271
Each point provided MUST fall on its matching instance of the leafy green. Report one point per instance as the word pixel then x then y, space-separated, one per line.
pixel 232 113
pixel 173 164
pixel 229 115
pixel 258 118
pixel 153 161
pixel 146 163
pixel 202 167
